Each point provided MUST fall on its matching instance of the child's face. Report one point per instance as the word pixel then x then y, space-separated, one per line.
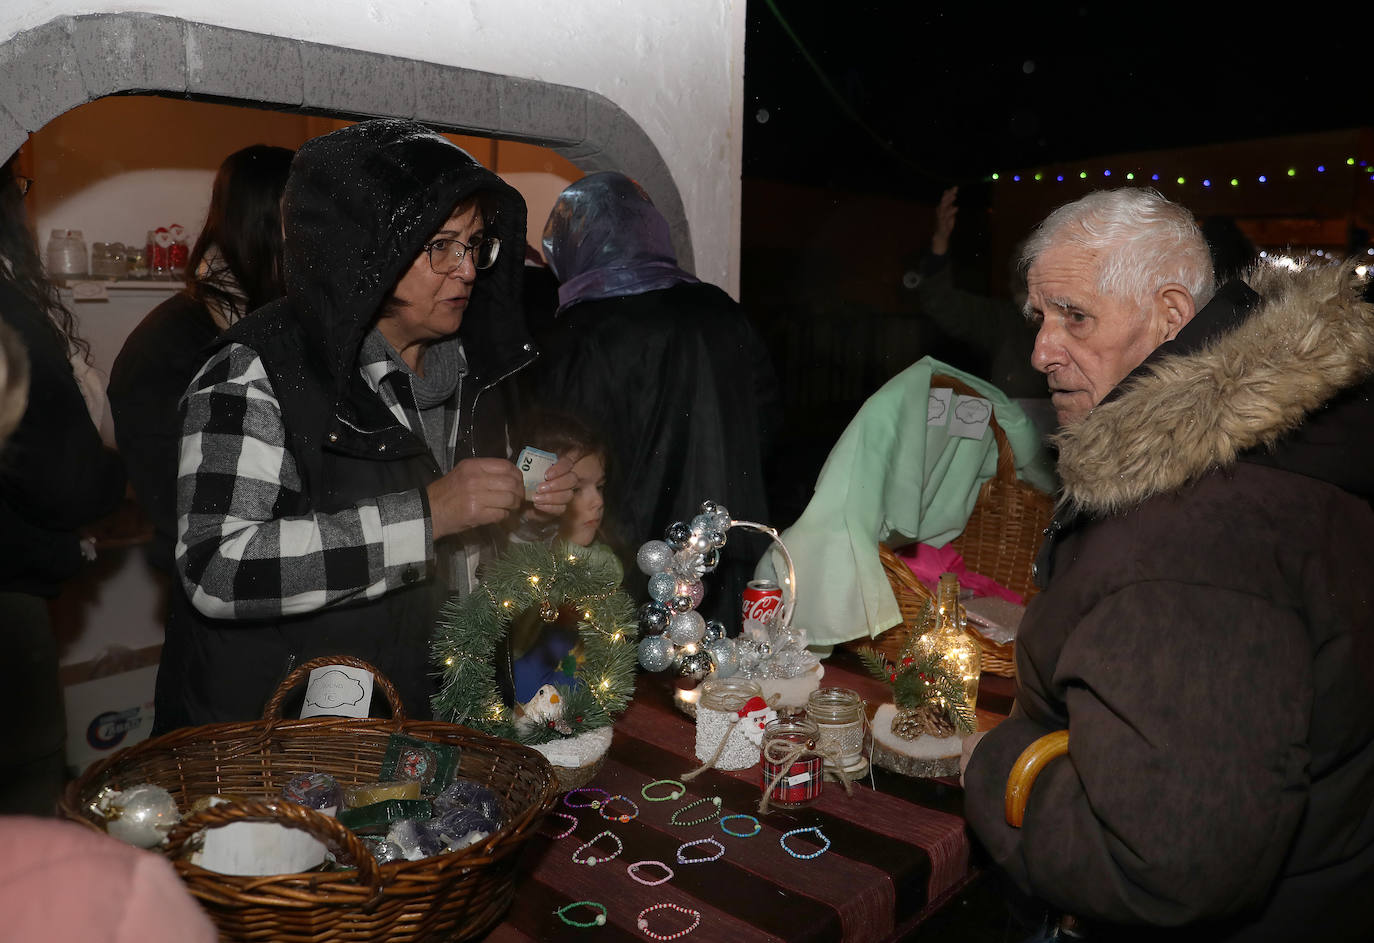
pixel 583 516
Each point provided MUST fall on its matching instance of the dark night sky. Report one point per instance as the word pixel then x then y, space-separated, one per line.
pixel 957 91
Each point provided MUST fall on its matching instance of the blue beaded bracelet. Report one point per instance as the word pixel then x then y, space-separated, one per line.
pixel 797 831
pixel 748 818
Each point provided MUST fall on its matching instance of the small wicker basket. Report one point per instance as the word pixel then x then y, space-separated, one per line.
pixel 1000 541
pixel 448 897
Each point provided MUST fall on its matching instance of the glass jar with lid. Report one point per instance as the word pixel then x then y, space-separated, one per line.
pixel 842 729
pixel 793 769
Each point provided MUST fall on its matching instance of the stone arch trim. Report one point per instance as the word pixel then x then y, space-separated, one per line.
pixel 69 61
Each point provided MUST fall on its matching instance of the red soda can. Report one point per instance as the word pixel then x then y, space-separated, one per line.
pixel 760 601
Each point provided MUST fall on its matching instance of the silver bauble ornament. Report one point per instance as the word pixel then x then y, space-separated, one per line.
pixel 663 587
pixel 653 619
pixel 699 543
pixel 693 590
pixel 714 630
pixel 685 628
pixel 681 603
pixel 656 653
pixel 702 523
pixel 722 519
pixel 717 539
pixel 654 557
pixel 722 652
pixel 141 815
pixel 710 562
pixel 677 535
pixel 696 665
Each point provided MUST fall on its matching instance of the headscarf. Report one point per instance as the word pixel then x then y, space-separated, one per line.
pixel 605 239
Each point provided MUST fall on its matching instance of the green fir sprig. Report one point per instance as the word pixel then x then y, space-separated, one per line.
pixel 543 577
pixel 919 679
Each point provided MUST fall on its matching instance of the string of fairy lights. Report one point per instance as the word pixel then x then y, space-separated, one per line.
pixel 1206 182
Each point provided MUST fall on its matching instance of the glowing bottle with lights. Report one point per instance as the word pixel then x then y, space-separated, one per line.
pixel 947 636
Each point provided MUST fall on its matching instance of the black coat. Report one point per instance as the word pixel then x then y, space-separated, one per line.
pixel 683 389
pixel 55 475
pixel 1207 638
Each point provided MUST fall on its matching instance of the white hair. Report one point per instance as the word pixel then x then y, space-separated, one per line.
pixel 1143 241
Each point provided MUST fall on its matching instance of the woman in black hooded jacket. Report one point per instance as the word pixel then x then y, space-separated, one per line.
pixel 344 454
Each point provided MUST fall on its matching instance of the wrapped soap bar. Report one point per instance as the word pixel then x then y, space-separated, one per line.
pixel 414 839
pixel 377 818
pixel 355 797
pixel 318 791
pixel 430 764
pixel 466 794
pixel 458 828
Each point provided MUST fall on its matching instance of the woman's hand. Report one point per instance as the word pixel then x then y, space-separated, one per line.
pixel 556 490
pixel 477 491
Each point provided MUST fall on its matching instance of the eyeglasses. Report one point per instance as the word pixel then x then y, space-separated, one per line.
pixel 25 184
pixel 445 255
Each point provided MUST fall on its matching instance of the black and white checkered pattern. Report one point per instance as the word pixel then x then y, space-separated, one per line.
pixel 238 555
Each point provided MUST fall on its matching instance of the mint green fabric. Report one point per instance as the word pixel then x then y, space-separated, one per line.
pixel 892 478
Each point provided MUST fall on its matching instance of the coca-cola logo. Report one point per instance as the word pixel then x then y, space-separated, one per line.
pixel 763 608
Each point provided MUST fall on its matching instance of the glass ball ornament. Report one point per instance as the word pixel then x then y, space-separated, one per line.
pixel 697 665
pixel 653 619
pixel 680 603
pixel 654 557
pixel 656 653
pixel 693 590
pixel 699 543
pixel 662 587
pixel 722 652
pixel 717 539
pixel 702 523
pixel 715 629
pixel 141 815
pixel 686 628
pixel 677 535
pixel 710 561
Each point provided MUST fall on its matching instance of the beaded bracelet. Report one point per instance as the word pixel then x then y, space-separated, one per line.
pixel 601 808
pixel 683 859
pixel 598 921
pixel 715 810
pixel 667 872
pixel 749 818
pixel 675 794
pixel 797 831
pixel 567 798
pixel 643 921
pixel 570 829
pixel 592 860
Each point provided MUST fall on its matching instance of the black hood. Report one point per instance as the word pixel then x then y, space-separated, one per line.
pixel 359 204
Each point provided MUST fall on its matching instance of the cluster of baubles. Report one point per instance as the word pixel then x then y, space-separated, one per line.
pixel 672 633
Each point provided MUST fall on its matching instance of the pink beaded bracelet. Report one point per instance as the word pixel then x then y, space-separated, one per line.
pixel 643 922
pixel 667 872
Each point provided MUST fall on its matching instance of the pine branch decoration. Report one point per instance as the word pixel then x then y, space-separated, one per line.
pixel 922 679
pixel 548 577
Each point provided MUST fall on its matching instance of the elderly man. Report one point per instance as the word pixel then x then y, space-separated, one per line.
pixel 1206 631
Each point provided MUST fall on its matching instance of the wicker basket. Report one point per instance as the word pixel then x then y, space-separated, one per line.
pixel 449 897
pixel 999 541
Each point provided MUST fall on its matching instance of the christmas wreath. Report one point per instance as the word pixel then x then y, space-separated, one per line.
pixel 545 578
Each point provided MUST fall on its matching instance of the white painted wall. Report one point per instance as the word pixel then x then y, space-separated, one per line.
pixel 675 66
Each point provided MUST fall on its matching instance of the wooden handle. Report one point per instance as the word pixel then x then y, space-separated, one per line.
pixel 272 712
pixel 1028 766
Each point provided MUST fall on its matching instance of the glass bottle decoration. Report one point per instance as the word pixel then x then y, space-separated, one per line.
pixel 948 639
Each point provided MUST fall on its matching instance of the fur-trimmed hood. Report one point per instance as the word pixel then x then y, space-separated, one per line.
pixel 1214 394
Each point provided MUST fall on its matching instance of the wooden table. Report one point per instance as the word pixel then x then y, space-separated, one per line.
pixel 899 849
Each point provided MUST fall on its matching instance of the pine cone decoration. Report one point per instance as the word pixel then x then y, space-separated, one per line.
pixel 911 722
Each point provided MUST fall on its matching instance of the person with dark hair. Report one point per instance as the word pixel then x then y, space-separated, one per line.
pixel 670 368
pixel 55 479
pixel 234 267
pixel 345 456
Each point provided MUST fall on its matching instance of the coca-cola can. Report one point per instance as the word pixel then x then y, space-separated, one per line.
pixel 760 601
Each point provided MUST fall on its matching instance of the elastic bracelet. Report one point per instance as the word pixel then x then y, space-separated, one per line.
pixel 715 810
pixel 683 859
pixel 797 831
pixel 643 921
pixel 606 804
pixel 667 872
pixel 598 921
pixel 570 829
pixel 567 797
pixel 592 860
pixel 675 794
pixel 748 818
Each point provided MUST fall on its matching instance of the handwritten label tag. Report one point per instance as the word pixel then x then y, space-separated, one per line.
pixel 338 691
pixel 937 408
pixel 970 417
pixel 798 779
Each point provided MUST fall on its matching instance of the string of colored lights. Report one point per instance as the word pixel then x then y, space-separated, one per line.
pixel 1206 181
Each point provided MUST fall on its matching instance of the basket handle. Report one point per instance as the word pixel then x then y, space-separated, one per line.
pixel 288 814
pixel 272 712
pixel 1027 767
pixel 1006 461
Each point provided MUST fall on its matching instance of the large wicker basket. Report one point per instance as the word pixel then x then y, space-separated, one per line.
pixel 449 897
pixel 1000 541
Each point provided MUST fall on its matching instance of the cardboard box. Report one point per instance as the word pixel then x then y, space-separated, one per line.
pixel 107 714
